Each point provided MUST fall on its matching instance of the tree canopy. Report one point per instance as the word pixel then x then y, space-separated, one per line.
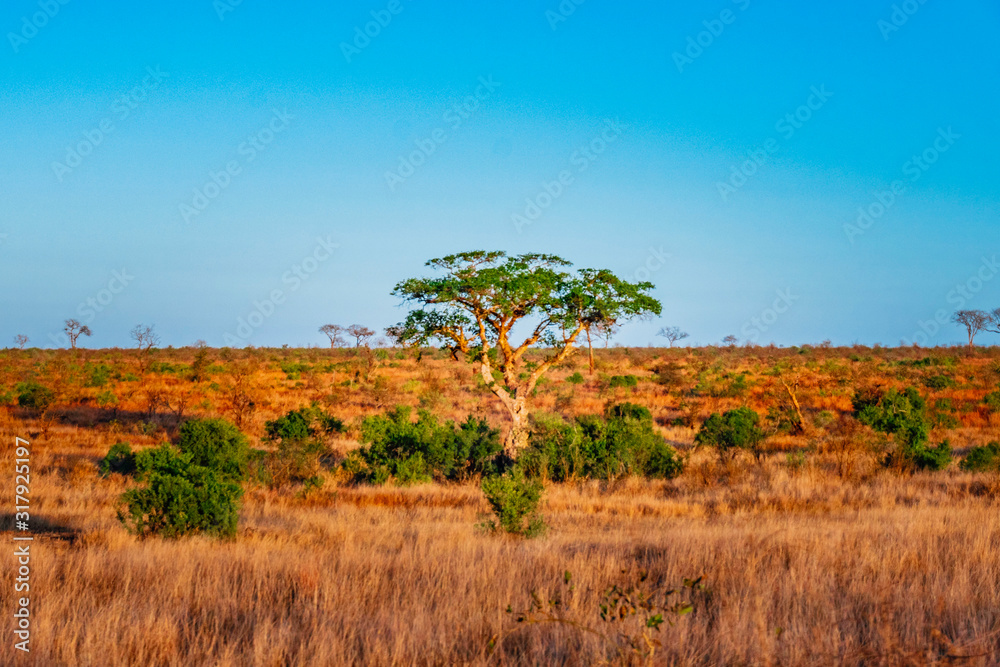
pixel 473 307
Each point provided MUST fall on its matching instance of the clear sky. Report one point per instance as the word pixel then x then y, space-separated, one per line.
pixel 180 163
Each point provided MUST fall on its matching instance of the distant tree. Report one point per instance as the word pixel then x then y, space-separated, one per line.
pixel 145 339
pixel 731 340
pixel 360 333
pixel 672 334
pixel 201 362
pixel 333 332
pixel 21 340
pixel 74 330
pixel 994 324
pixel 974 321
pixel 474 307
pixel 602 331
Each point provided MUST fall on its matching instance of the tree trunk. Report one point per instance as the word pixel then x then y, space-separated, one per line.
pixel 517 437
pixel 590 348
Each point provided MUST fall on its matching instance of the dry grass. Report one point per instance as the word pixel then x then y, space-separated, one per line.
pixel 834 561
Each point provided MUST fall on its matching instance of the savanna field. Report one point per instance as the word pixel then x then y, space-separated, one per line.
pixel 830 541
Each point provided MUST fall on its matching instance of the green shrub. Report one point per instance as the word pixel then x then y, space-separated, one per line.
pixel 576 378
pixel 514 500
pixel 97 375
pixel 621 442
pixel 106 399
pixel 736 387
pixel 623 381
pixel 938 382
pixel 31 394
pixel 992 401
pixel 215 444
pixel 410 451
pixel 735 430
pixel 918 456
pixel 300 453
pixel 903 414
pixel 303 424
pixel 178 497
pixel 981 459
pixel 119 459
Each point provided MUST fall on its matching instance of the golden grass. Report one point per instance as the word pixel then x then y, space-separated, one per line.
pixel 835 561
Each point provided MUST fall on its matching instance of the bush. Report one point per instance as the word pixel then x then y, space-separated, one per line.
pixel 179 497
pixel 920 457
pixel 992 401
pixel 576 378
pixel 217 445
pixel 419 451
pixel 514 500
pixel 669 374
pixel 119 459
pixel 903 414
pixel 623 381
pixel 97 375
pixel 620 443
pixel 33 395
pixel 938 382
pixel 736 429
pixel 981 459
pixel 300 453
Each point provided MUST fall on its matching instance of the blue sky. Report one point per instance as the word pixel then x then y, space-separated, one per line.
pixel 229 160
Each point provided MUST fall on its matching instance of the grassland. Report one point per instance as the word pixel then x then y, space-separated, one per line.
pixel 815 554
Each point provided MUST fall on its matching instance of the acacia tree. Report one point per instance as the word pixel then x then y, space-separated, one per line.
pixel 994 324
pixel 146 339
pixel 361 334
pixel 672 334
pixel 974 321
pixel 473 308
pixel 74 330
pixel 333 332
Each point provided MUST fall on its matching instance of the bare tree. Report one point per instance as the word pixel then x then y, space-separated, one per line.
pixel 672 334
pixel 731 340
pixel 145 340
pixel 994 324
pixel 74 330
pixel 974 321
pixel 21 340
pixel 602 331
pixel 361 334
pixel 333 332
